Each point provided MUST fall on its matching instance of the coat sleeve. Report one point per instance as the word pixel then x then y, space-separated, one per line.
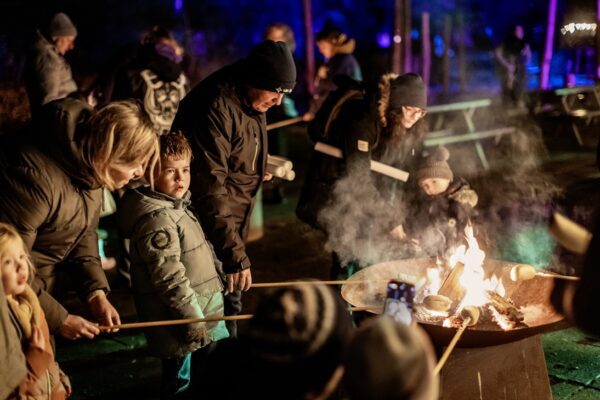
pixel 211 142
pixel 48 72
pixel 157 243
pixel 26 205
pixel 84 260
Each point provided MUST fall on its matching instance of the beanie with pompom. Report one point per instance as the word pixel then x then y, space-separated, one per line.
pixel 436 166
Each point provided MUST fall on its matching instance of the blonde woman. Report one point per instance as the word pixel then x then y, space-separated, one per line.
pixel 51 186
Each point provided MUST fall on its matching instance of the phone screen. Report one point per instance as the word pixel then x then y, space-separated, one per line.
pixel 399 301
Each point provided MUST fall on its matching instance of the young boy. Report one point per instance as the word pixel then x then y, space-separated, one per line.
pixel 443 207
pixel 173 268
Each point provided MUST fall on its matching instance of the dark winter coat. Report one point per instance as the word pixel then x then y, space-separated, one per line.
pixel 447 213
pixel 159 83
pixel 359 132
pixel 228 139
pixel 50 196
pixel 173 270
pixel 47 73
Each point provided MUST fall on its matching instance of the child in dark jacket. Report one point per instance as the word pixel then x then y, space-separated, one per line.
pixel 443 208
pixel 173 268
pixel 44 379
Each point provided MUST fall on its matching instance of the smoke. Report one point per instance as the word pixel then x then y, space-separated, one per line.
pixel 515 199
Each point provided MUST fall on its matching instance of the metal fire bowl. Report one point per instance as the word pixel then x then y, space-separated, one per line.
pixel 531 296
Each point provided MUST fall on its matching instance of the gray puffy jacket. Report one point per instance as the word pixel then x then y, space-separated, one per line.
pixel 173 270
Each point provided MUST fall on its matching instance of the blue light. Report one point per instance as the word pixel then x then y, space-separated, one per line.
pixel 488 31
pixel 384 40
pixel 414 34
pixel 178 6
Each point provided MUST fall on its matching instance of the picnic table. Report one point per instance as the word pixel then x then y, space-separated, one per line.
pixel 441 137
pixel 580 103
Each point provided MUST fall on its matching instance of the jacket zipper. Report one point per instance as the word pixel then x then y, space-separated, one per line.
pixel 255 153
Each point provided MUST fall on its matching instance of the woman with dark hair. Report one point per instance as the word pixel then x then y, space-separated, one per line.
pixel 344 197
pixel 51 183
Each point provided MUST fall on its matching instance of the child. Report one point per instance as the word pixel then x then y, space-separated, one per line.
pixel 173 268
pixel 443 207
pixel 44 378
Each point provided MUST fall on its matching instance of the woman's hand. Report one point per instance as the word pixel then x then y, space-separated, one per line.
pixel 75 327
pixel 398 232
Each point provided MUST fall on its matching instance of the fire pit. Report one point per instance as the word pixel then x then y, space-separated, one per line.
pixel 530 297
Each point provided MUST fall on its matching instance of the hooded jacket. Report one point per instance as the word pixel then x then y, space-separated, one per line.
pixel 50 195
pixel 228 139
pixel 47 73
pixel 358 130
pixel 157 81
pixel 173 269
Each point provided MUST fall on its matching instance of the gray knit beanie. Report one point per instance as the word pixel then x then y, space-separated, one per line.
pixel 436 166
pixel 388 360
pixel 61 25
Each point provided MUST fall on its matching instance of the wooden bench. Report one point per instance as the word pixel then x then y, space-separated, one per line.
pixel 442 137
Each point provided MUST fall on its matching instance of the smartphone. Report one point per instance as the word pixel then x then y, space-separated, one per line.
pixel 399 301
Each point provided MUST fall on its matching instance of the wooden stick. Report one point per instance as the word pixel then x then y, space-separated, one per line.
pixel 376 166
pixel 451 346
pixel 557 276
pixel 294 283
pixel 173 322
pixel 285 122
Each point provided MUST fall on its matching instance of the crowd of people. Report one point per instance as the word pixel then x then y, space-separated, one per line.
pixel 186 167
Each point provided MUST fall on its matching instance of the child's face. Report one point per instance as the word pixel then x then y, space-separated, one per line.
pixel 15 268
pixel 174 177
pixel 434 186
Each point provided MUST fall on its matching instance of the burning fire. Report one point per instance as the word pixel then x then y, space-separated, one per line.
pixel 469 287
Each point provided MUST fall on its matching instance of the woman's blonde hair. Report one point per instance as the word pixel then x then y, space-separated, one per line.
pixel 120 134
pixel 9 235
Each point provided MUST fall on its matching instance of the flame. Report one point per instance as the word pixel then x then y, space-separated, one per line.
pixel 472 279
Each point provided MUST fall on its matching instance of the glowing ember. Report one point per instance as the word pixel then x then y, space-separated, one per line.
pixel 504 323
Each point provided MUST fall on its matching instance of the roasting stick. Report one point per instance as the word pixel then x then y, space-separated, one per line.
pixel 294 283
pixel 523 272
pixel 283 123
pixel 470 317
pixel 376 166
pixel 173 322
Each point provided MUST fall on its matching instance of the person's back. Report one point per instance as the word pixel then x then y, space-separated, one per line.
pixel 173 268
pixel 48 75
pixel 155 77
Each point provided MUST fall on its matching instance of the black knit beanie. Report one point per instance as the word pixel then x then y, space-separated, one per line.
pixel 61 25
pixel 436 166
pixel 270 66
pixel 408 90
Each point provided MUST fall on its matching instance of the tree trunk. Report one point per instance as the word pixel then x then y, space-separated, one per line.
pixel 408 65
pixel 462 53
pixel 545 75
pixel 446 56
pixel 397 38
pixel 310 44
pixel 598 41
pixel 426 47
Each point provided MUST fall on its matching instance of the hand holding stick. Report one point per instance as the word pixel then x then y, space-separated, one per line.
pixel 470 317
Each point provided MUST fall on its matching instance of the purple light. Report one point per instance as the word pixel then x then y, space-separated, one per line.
pixel 178 6
pixel 384 40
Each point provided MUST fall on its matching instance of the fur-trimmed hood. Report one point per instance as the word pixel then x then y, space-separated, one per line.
pixel 383 102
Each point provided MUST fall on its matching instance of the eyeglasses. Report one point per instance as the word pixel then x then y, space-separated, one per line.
pixel 414 112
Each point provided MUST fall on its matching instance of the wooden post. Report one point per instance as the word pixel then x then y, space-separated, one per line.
pixel 426 47
pixel 445 56
pixel 598 40
pixel 397 38
pixel 408 63
pixel 462 54
pixel 310 44
pixel 545 75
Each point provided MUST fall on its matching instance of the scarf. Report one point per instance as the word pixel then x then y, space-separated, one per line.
pixel 27 310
